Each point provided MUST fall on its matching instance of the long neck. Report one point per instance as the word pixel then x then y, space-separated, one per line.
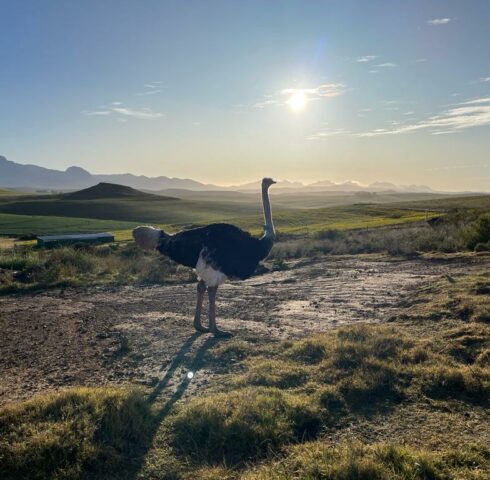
pixel 269 231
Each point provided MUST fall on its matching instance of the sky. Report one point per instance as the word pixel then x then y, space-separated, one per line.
pixel 229 91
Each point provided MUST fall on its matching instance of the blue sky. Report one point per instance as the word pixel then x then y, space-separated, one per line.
pixel 388 90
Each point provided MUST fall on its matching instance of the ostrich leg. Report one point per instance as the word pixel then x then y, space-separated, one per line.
pixel 201 289
pixel 212 315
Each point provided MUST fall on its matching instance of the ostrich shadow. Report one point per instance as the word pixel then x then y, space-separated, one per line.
pixel 193 364
pixel 179 361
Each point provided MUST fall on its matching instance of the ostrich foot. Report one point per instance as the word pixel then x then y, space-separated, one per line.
pixel 221 333
pixel 200 328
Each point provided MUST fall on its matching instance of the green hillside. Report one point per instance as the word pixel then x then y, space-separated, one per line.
pixel 444 204
pixel 18 225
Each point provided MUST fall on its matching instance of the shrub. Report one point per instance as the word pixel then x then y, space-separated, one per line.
pixel 478 232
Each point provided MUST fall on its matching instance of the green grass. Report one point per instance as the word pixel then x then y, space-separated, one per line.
pixel 379 461
pixel 78 433
pixel 6 192
pixel 152 209
pixel 174 216
pixel 448 203
pixel 374 402
pixel 19 225
pixel 310 221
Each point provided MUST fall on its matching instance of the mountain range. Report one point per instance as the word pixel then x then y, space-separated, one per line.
pixel 33 177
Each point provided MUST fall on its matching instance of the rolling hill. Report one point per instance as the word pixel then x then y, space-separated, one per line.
pixel 116 202
pixel 110 190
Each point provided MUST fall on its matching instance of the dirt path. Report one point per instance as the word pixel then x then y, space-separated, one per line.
pixel 144 335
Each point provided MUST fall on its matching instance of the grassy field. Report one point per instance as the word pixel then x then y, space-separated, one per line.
pixel 173 218
pixel 292 200
pixel 111 207
pixel 480 202
pixel 18 225
pixel 6 192
pixel 293 212
pixel 162 210
pixel 406 400
pixel 335 218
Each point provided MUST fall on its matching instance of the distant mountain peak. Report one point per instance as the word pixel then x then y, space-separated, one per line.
pixel 34 177
pixel 75 169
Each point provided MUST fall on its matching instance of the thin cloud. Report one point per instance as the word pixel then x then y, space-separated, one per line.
pixel 151 89
pixel 366 58
pixel 329 132
pixel 314 93
pixel 149 92
pixel 144 114
pixel 96 113
pixel 386 65
pixel 323 90
pixel 469 114
pixel 154 85
pixel 439 21
pixel 458 167
pixel 121 112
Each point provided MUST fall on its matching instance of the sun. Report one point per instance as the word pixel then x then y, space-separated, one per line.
pixel 297 101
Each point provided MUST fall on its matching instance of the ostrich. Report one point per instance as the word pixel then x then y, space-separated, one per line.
pixel 217 252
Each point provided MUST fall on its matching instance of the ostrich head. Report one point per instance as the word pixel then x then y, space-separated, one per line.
pixel 267 182
pixel 147 238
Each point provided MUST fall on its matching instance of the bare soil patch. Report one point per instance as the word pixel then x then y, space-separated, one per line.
pixel 144 335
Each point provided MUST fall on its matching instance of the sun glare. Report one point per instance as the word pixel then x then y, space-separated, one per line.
pixel 297 101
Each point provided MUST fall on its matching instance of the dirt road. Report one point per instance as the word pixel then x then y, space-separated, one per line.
pixel 144 335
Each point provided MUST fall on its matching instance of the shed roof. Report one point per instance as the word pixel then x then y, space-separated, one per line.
pixel 77 236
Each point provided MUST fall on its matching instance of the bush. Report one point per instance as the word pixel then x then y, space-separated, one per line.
pixel 479 232
pixel 482 247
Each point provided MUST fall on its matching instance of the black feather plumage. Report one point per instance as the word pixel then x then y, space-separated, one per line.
pixel 226 247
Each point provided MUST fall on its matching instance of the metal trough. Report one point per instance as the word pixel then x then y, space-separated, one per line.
pixel 86 238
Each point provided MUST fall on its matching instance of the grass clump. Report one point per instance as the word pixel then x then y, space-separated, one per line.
pixel 456 382
pixel 309 351
pixel 275 373
pixel 462 298
pixel 79 433
pixel 245 425
pixel 381 461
